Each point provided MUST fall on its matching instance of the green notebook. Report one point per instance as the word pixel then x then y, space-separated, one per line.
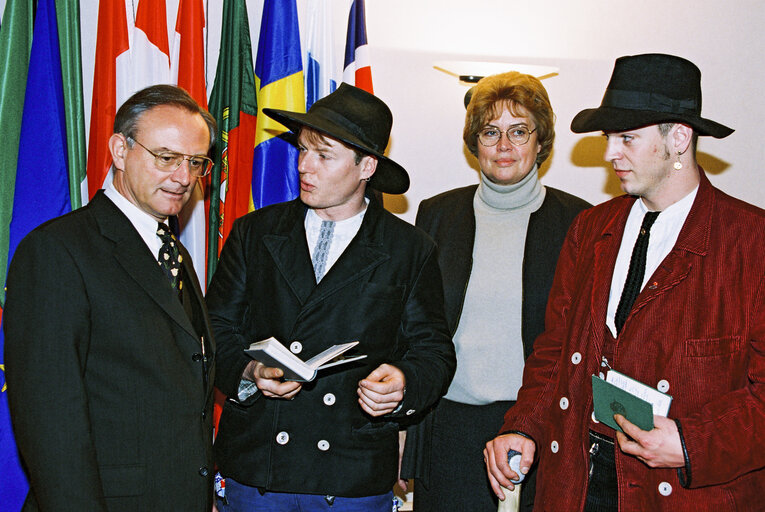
pixel 609 400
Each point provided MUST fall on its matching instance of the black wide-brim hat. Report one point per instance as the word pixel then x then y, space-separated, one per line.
pixel 650 89
pixel 358 119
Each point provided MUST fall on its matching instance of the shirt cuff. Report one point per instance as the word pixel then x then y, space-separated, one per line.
pixel 247 388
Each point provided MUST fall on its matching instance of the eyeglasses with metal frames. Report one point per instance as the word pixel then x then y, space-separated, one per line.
pixel 517 135
pixel 169 161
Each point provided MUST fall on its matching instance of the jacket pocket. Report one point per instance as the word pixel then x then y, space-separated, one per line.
pixel 711 347
pixel 376 432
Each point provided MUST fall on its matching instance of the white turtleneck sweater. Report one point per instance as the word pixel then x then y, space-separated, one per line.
pixel 488 337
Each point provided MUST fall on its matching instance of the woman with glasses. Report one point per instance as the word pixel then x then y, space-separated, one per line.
pixel 498 246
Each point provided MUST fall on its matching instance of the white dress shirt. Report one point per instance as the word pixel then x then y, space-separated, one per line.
pixel 664 233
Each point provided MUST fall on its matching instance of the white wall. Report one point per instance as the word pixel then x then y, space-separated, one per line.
pixel 581 38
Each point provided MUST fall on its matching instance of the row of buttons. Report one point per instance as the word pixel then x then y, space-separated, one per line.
pixel 283 438
pixel 665 488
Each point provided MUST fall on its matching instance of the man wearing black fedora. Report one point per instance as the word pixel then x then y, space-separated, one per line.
pixel 329 267
pixel 664 285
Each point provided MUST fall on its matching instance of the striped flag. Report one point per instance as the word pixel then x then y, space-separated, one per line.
pixel 188 72
pixel 357 67
pixel 233 103
pixel 320 68
pixel 112 54
pixel 279 81
pixel 42 181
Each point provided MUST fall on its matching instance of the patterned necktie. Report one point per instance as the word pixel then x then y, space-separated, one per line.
pixel 636 272
pixel 170 256
pixel 321 250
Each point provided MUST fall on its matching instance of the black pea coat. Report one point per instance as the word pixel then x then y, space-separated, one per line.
pixel 385 291
pixel 110 407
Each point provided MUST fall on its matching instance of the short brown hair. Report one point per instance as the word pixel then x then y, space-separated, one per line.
pixel 510 90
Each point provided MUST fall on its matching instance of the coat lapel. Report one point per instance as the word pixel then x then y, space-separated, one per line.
pixel 131 253
pixel 692 242
pixel 363 254
pixel 606 250
pixel 289 251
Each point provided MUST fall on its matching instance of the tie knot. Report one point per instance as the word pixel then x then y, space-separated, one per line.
pixel 648 220
pixel 163 232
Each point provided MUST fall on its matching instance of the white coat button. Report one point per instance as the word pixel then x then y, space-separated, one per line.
pixel 564 403
pixel 554 446
pixel 665 489
pixel 329 399
pixel 296 347
pixel 410 412
pixel 282 437
pixel 323 445
pixel 594 419
pixel 576 358
pixel 663 386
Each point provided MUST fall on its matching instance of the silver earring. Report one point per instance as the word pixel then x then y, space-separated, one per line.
pixel 678 165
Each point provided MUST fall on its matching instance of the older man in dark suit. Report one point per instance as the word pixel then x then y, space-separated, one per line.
pixel 329 267
pixel 108 348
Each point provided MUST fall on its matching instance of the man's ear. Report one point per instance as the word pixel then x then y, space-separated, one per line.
pixel 118 147
pixel 368 166
pixel 682 135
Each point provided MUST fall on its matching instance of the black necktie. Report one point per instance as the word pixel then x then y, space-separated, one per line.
pixel 636 272
pixel 170 256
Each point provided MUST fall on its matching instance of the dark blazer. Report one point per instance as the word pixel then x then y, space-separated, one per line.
pixel 384 290
pixel 109 403
pixel 449 218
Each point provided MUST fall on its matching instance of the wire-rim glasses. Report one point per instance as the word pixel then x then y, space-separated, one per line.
pixel 170 161
pixel 517 135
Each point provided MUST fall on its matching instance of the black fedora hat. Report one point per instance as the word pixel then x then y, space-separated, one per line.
pixel 359 119
pixel 650 89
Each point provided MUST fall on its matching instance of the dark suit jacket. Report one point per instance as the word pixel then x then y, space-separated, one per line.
pixel 449 218
pixel 696 331
pixel 384 290
pixel 105 379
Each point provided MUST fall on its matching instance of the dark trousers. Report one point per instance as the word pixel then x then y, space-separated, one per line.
pixel 602 490
pixel 458 478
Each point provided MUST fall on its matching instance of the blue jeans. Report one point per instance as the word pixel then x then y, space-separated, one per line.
pixel 243 498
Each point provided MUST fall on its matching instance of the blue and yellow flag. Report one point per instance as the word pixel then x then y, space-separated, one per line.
pixel 279 82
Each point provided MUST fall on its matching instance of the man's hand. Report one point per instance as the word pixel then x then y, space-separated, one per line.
pixel 657 448
pixel 269 381
pixel 382 390
pixel 495 456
